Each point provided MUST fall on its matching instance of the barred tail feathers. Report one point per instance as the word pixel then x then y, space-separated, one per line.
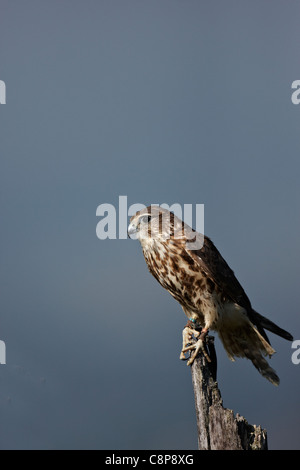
pixel 242 339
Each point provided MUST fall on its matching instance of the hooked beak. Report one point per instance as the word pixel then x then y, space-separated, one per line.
pixel 132 230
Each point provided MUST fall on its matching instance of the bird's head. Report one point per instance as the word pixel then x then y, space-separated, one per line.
pixel 154 223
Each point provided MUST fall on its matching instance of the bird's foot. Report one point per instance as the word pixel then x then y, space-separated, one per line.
pixel 193 340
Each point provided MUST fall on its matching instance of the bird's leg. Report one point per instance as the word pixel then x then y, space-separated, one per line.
pixel 187 339
pixel 187 335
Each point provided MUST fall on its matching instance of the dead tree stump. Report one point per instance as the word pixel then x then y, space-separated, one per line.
pixel 218 428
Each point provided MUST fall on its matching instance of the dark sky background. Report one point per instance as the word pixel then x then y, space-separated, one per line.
pixel 164 101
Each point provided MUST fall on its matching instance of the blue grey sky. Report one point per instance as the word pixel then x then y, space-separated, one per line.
pixel 164 102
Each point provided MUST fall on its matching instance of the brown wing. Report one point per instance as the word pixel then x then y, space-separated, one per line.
pixel 213 264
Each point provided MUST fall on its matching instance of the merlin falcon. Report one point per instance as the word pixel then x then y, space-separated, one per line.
pixel 189 266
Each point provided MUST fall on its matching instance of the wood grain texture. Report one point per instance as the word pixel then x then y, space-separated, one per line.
pixel 218 428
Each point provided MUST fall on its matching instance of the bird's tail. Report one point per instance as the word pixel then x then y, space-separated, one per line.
pixel 263 322
pixel 263 367
pixel 246 341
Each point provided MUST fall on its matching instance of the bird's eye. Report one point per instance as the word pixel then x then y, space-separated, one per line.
pixel 146 219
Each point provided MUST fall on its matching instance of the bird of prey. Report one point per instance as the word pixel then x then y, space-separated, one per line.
pixel 206 288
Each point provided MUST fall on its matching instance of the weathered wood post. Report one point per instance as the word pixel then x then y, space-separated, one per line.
pixel 218 428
